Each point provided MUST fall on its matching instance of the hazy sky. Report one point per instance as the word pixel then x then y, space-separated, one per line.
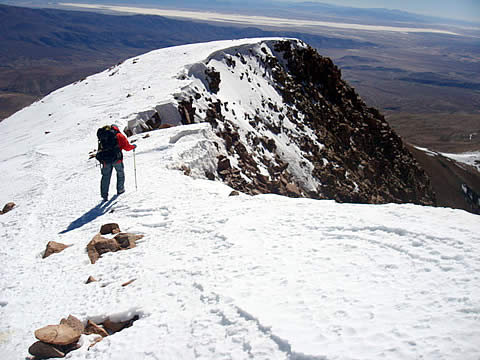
pixel 460 9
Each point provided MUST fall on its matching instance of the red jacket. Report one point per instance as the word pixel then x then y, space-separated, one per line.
pixel 123 142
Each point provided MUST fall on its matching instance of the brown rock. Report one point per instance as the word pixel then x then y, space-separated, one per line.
pixel 74 323
pixel 90 280
pixel 110 228
pixel 209 175
pixel 128 282
pixel 114 327
pixel 100 245
pixel 8 206
pixel 42 350
pixel 127 240
pixel 61 334
pixel 293 190
pixel 234 193
pixel 54 247
pixel 93 328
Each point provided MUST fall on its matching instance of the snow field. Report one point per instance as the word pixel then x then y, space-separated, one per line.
pixel 216 277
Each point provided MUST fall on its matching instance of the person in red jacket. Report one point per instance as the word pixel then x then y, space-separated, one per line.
pixel 117 163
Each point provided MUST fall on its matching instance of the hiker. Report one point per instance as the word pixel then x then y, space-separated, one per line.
pixel 111 142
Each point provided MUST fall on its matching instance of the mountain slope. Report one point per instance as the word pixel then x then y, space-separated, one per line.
pixel 290 125
pixel 263 277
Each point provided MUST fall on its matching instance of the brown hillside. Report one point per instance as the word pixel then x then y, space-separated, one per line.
pixel 447 176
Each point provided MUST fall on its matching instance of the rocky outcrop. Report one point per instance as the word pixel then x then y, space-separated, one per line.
pixel 8 207
pixel 54 247
pixel 321 141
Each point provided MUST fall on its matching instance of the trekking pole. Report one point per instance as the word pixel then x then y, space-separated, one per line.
pixel 135 169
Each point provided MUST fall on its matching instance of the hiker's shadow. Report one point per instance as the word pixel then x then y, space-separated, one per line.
pixel 90 215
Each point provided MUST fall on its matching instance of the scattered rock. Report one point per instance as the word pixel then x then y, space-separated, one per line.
pixel 93 328
pixel 61 334
pixel 74 323
pixel 54 247
pixel 114 327
pixel 186 170
pixel 111 228
pixel 90 280
pixel 100 245
pixel 234 193
pixel 127 240
pixel 8 207
pixel 128 282
pixel 42 350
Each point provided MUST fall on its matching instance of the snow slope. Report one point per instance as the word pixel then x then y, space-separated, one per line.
pixel 469 158
pixel 217 277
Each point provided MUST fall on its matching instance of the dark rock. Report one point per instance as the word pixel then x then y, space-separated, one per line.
pixel 209 175
pixel 128 282
pixel 43 350
pixel 223 163
pixel 213 78
pixel 93 328
pixel 111 228
pixel 127 240
pixel 8 207
pixel 90 280
pixel 234 193
pixel 100 245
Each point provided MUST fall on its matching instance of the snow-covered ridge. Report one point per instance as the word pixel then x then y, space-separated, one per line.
pixel 262 277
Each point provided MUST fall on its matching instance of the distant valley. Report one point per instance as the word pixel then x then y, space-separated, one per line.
pixel 427 84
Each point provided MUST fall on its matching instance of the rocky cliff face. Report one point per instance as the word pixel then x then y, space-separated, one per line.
pixel 288 124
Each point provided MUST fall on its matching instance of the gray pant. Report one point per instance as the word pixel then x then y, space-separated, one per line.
pixel 107 169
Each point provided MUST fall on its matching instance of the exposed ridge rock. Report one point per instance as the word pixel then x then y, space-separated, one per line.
pixel 320 141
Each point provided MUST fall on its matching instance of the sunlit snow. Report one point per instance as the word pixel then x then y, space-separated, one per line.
pixel 216 277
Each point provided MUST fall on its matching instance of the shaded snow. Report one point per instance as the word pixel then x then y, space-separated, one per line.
pixel 217 277
pixel 468 158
